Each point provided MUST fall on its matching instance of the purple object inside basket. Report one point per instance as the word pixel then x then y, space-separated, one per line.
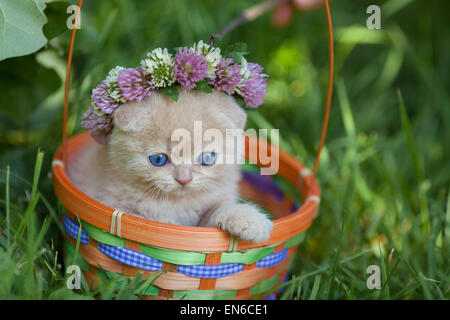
pixel 263 184
pixel 294 207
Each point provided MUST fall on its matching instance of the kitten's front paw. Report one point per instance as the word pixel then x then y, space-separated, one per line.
pixel 244 221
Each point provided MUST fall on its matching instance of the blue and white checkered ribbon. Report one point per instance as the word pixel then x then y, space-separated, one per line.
pixel 131 257
pixel 272 259
pixel 211 271
pixel 72 229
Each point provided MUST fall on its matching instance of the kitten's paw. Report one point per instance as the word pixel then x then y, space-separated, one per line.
pixel 244 221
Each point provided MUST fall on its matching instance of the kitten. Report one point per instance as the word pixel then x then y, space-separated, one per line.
pixel 130 172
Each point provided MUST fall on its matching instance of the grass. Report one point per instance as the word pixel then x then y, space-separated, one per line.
pixel 385 169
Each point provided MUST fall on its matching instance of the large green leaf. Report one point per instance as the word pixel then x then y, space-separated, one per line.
pixel 21 25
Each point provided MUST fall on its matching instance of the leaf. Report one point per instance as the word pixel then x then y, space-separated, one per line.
pixel 236 51
pixel 21 25
pixel 171 92
pixel 240 101
pixel 203 86
pixel 57 17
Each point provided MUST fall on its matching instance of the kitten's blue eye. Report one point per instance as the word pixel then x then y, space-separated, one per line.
pixel 207 158
pixel 158 160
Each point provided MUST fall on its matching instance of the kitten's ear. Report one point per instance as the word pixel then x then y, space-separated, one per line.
pixel 233 111
pixel 131 117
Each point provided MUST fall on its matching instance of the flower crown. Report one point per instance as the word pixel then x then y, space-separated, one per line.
pixel 199 67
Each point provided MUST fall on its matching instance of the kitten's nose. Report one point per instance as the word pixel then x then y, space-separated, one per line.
pixel 183 182
pixel 183 175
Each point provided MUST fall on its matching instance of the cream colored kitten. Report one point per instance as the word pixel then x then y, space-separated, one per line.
pixel 121 175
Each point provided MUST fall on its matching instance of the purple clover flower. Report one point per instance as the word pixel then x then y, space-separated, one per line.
pixel 190 67
pixel 102 99
pixel 227 76
pixel 99 126
pixel 253 89
pixel 133 84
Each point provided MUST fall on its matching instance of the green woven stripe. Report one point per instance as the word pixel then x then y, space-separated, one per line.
pixel 173 256
pixel 246 256
pixel 103 236
pixel 70 252
pixel 264 285
pixel 295 241
pixel 204 294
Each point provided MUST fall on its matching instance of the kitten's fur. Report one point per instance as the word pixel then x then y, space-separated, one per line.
pixel 120 175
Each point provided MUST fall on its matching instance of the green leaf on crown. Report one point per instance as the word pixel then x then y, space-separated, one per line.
pixel 236 51
pixel 171 92
pixel 203 86
pixel 240 101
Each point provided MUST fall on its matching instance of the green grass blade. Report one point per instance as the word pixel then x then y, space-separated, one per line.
pixel 315 288
pixel 37 173
pixel 8 205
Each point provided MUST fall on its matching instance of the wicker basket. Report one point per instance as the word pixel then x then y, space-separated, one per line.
pixel 190 262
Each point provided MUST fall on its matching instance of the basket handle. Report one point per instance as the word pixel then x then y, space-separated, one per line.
pixel 247 15
pixel 326 115
pixel 67 86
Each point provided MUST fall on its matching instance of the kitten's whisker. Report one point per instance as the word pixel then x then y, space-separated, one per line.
pixel 150 188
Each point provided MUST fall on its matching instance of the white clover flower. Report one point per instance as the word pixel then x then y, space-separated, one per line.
pixel 245 73
pixel 111 78
pixel 212 55
pixel 213 58
pixel 161 56
pixel 160 66
pixel 201 48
